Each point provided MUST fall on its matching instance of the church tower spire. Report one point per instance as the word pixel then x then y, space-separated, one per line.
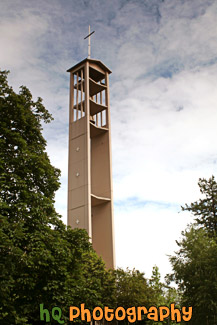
pixel 90 194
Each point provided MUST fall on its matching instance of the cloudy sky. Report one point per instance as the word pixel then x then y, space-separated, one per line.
pixel 163 88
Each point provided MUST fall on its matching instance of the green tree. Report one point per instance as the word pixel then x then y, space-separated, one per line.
pixel 28 181
pixel 195 272
pixel 157 286
pixel 40 260
pixel 163 294
pixel 205 210
pixel 195 264
pixel 132 288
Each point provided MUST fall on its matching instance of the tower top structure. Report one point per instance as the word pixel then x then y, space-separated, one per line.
pixel 92 61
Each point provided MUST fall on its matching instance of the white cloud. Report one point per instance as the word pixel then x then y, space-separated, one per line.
pixel 146 235
pixel 20 39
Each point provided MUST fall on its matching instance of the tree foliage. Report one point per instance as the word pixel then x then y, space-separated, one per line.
pixel 195 264
pixel 195 271
pixel 157 286
pixel 132 288
pixel 205 210
pixel 28 181
pixel 163 293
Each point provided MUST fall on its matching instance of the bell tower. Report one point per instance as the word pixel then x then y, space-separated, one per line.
pixel 90 195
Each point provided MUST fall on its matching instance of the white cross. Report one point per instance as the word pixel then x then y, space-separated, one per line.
pixel 88 36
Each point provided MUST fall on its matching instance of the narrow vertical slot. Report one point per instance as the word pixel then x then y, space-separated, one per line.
pixel 96 114
pixel 101 112
pixel 74 96
pixel 82 109
pixel 77 98
pixel 103 118
pixel 74 113
pixel 103 97
pixel 71 115
pixel 99 119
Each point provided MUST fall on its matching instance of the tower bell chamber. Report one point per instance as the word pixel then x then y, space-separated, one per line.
pixel 90 195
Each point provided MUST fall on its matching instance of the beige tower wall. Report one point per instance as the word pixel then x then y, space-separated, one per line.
pixel 78 209
pixel 102 235
pixel 100 166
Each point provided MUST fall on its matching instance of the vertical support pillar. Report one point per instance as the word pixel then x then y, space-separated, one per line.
pixel 88 146
pixel 108 125
pixel 71 120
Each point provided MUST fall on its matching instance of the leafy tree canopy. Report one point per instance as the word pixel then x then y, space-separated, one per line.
pixel 195 264
pixel 195 272
pixel 132 289
pixel 205 210
pixel 28 181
